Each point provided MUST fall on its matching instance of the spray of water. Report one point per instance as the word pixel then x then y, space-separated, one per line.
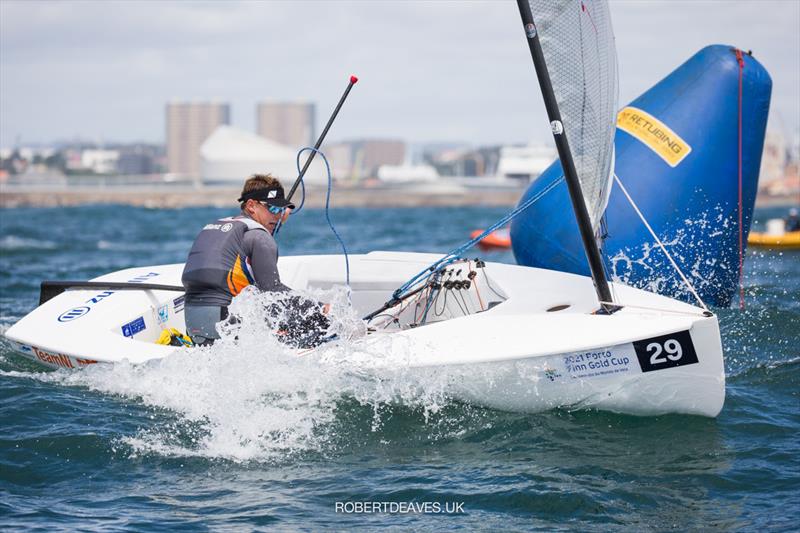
pixel 693 246
pixel 252 397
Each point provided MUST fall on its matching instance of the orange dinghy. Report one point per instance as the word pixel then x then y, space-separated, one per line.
pixel 497 239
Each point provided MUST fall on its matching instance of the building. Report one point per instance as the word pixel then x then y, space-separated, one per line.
pixel 287 123
pixel 459 161
pixel 525 162
pixel 361 159
pixel 372 153
pixel 231 155
pixel 132 163
pixel 188 125
pixel 140 158
pixel 774 158
pixel 340 158
pixel 100 161
pixel 407 173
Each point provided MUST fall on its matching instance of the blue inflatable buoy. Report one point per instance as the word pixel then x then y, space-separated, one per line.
pixel 678 155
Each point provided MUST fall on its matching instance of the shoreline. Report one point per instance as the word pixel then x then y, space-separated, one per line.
pixel 178 196
pixel 221 196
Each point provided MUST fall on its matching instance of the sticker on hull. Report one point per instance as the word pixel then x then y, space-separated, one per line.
pixel 78 312
pixel 602 362
pixel 666 351
pixel 53 359
pixel 132 328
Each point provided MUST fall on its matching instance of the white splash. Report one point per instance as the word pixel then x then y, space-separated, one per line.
pixel 694 247
pixel 250 397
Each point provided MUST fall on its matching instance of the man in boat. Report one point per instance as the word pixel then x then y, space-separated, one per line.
pixel 235 252
pixel 792 221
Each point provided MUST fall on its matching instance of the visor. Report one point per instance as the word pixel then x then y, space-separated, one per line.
pixel 272 196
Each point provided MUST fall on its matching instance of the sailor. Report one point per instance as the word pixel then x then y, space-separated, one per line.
pixel 792 221
pixel 233 253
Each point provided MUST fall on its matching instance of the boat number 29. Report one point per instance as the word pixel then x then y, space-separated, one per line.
pixel 666 351
pixel 659 353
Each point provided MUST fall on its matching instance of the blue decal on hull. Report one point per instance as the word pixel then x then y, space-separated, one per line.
pixel 132 328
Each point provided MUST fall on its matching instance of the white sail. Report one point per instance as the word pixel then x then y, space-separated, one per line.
pixel 578 45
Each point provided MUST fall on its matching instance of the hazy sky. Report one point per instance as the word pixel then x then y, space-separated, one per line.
pixel 429 70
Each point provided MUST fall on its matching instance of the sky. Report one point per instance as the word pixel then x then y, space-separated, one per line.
pixel 429 70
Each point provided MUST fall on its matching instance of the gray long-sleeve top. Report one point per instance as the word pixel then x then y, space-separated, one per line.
pixel 227 256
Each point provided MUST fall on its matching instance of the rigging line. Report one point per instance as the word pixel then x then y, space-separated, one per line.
pixel 486 278
pixel 419 300
pixel 480 300
pixel 444 303
pixel 662 310
pixel 457 292
pixel 466 305
pixel 396 316
pixel 385 324
pixel 455 297
pixel 328 208
pixel 660 244
pixel 452 256
pixel 475 284
pixel 431 301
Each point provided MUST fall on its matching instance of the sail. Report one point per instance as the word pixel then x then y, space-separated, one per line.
pixel 578 46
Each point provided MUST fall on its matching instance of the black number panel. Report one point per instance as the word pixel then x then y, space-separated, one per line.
pixel 666 351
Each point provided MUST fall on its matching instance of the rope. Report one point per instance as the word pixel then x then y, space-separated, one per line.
pixel 660 244
pixel 661 309
pixel 740 60
pixel 327 206
pixel 454 254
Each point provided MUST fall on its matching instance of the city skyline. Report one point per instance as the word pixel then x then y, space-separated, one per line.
pixel 430 71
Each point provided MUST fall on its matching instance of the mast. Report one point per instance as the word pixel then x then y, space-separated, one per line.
pixel 567 163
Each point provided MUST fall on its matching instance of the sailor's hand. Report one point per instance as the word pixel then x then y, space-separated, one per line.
pixel 326 308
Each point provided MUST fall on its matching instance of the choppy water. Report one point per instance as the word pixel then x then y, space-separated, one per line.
pixel 249 439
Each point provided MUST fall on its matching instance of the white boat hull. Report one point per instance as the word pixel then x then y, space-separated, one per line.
pixel 609 379
pixel 535 347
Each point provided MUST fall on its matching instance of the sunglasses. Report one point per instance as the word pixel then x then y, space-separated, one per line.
pixel 273 209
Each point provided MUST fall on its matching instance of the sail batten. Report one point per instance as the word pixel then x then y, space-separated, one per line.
pixel 577 42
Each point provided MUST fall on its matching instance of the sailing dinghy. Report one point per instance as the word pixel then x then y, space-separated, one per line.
pixel 503 336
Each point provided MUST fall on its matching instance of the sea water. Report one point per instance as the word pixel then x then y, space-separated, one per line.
pixel 245 436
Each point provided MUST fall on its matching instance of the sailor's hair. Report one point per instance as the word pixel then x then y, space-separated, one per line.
pixel 256 182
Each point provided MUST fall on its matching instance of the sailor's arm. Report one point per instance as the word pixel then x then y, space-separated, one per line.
pixel 304 315
pixel 263 253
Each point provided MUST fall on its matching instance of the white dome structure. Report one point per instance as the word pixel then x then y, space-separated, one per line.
pixel 231 155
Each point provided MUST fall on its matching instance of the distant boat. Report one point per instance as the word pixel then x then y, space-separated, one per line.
pixel 775 237
pixel 787 241
pixel 500 238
